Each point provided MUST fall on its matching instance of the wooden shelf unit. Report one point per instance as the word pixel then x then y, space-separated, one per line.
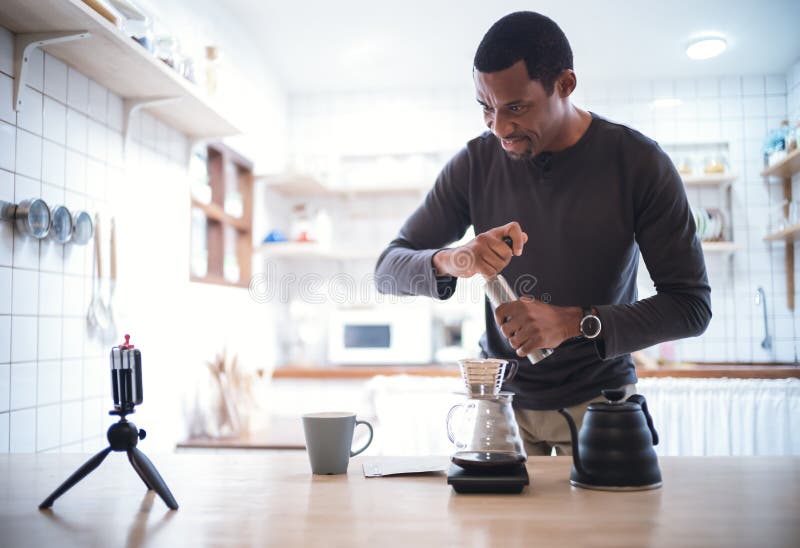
pixel 111 58
pixel 785 170
pixel 217 213
pixel 227 170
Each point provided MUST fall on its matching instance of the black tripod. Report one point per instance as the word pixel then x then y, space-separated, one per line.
pixel 122 436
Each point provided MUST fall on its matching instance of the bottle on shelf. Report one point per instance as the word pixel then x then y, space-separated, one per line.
pixel 212 69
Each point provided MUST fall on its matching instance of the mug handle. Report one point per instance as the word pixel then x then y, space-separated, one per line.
pixel 368 425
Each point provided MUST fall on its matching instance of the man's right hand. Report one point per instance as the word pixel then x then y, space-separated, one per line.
pixel 486 254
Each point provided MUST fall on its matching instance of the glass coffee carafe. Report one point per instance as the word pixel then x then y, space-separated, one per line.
pixel 483 427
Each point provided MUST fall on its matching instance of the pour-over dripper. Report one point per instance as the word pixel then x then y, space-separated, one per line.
pixel 485 376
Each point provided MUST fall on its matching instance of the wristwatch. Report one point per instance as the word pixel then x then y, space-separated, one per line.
pixel 590 324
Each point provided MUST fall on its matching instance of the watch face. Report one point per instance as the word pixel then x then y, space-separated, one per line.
pixel 590 326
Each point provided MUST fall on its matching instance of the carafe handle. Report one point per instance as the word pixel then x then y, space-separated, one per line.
pixel 450 434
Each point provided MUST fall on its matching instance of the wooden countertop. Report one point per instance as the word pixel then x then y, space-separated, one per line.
pixel 686 370
pixel 282 433
pixel 271 499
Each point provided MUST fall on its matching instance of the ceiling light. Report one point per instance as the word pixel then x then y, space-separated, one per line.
pixel 706 48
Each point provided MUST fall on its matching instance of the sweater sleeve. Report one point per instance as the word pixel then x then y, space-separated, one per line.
pixel 405 267
pixel 666 234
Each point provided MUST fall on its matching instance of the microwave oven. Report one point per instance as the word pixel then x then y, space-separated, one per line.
pixel 397 334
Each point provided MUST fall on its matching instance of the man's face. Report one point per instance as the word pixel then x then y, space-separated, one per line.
pixel 518 110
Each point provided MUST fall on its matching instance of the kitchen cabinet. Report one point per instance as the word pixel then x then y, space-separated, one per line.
pixel 271 499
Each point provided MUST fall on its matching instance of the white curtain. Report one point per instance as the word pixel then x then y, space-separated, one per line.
pixel 693 416
pixel 725 416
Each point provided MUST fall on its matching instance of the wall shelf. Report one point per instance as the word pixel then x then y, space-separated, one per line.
pixel 785 170
pixel 721 247
pixel 786 167
pixel 295 185
pixel 712 179
pixel 314 250
pixel 117 62
pixel 788 234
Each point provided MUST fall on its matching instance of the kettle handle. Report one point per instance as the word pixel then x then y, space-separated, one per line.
pixel 638 398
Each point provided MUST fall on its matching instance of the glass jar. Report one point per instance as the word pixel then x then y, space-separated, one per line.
pixel 715 164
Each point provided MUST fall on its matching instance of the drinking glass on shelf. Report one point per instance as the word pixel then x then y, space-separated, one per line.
pixel 684 165
pixel 778 220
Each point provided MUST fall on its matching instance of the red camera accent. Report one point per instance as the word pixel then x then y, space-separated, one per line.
pixel 127 345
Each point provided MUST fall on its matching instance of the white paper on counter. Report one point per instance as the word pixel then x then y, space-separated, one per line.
pixel 394 466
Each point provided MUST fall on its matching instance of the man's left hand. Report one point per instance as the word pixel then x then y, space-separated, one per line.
pixel 529 324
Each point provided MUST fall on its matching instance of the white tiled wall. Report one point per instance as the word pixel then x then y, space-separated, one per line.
pixel 64 146
pixel 736 110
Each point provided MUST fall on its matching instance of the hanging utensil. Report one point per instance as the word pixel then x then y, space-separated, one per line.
pixel 97 318
pixel 83 228
pixel 62 225
pixel 32 217
pixel 111 330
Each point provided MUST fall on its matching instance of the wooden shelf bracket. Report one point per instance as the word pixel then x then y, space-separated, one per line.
pixel 132 106
pixel 24 44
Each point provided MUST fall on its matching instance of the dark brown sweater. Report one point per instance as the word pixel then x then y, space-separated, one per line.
pixel 588 211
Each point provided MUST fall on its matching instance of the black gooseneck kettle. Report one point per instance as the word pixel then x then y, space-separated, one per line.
pixel 614 450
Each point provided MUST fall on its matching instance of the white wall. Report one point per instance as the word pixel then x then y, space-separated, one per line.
pixel 248 89
pixel 66 147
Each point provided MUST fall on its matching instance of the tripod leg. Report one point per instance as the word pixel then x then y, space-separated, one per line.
pixel 77 476
pixel 139 471
pixel 152 477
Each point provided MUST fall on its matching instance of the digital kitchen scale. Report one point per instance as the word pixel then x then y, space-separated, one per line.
pixel 509 480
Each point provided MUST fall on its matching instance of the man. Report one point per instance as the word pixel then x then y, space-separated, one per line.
pixel 579 196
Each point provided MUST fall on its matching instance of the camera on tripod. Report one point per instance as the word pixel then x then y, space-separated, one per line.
pixel 123 436
pixel 126 377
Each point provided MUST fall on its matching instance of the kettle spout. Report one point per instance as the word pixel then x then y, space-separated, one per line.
pixel 573 431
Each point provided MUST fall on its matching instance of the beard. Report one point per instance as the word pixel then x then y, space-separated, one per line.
pixel 528 154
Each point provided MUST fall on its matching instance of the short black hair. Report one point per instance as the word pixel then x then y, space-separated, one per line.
pixel 527 36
